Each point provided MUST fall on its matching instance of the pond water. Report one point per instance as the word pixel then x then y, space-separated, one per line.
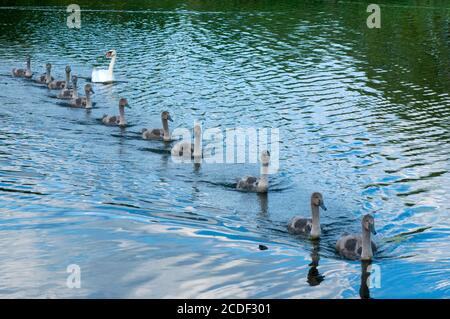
pixel 363 116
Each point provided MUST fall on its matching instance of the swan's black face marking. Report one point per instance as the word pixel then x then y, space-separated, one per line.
pixel 350 244
pixel 110 54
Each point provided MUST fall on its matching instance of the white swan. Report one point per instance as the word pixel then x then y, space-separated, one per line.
pixel 105 76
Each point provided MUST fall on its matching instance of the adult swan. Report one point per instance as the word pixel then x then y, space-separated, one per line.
pixel 105 76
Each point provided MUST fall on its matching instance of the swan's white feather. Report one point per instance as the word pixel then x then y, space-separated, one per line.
pixel 102 76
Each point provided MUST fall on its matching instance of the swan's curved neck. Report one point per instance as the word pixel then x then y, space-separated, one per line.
pixel 166 135
pixel 315 230
pixel 122 115
pixel 111 64
pixel 366 252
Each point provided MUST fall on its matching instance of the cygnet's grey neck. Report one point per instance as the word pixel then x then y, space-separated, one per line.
pixel 315 230
pixel 166 129
pixel 88 100
pixel 75 90
pixel 264 177
pixel 67 79
pixel 197 145
pixel 264 169
pixel 122 115
pixel 366 252
pixel 48 77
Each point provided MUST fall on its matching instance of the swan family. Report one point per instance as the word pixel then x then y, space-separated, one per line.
pixel 353 246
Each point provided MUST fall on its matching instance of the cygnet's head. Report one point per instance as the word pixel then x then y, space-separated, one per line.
pixel 368 224
pixel 88 89
pixel 165 116
pixel 68 69
pixel 48 66
pixel 317 200
pixel 123 102
pixel 74 79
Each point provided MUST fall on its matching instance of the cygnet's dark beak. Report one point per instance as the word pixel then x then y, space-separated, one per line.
pixel 372 229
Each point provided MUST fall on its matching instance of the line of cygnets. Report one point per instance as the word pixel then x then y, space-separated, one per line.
pixel 354 246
